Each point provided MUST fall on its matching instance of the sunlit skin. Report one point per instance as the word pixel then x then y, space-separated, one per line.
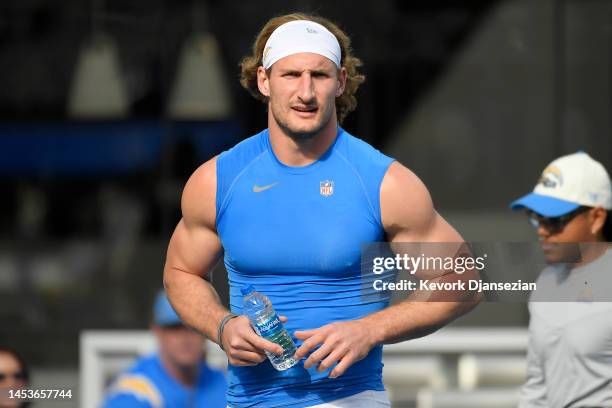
pixel 10 366
pixel 585 228
pixel 302 91
pixel 181 350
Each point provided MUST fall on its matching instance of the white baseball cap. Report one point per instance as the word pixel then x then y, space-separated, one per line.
pixel 567 183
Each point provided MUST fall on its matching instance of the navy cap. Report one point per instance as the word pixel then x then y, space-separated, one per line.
pixel 246 289
pixel 163 313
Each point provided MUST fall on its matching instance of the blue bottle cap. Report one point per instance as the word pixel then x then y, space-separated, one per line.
pixel 246 289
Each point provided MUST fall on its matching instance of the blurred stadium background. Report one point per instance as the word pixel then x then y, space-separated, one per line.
pixel 107 106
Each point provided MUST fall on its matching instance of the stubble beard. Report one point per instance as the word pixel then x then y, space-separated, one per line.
pixel 302 135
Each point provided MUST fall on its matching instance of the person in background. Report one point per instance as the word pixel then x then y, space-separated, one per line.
pixel 570 341
pixel 14 375
pixel 175 376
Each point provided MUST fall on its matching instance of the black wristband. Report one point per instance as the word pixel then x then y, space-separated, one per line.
pixel 222 326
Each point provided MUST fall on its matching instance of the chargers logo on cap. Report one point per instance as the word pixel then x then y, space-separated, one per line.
pixel 551 177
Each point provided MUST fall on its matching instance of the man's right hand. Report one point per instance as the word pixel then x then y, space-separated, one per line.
pixel 243 346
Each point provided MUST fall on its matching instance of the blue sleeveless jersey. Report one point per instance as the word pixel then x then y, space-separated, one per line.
pixel 295 234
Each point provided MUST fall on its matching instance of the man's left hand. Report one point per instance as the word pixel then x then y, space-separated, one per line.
pixel 341 342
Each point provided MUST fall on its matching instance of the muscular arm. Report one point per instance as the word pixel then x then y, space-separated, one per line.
pixel 193 251
pixel 416 222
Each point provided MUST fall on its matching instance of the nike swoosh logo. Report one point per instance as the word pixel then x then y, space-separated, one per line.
pixel 259 189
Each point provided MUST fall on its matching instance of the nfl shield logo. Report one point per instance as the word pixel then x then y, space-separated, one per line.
pixel 327 188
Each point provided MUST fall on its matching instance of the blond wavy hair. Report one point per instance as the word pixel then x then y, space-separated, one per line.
pixel 345 103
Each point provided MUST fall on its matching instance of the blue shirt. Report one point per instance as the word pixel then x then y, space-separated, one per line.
pixel 147 385
pixel 295 234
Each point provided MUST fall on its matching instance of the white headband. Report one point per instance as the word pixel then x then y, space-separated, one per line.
pixel 301 36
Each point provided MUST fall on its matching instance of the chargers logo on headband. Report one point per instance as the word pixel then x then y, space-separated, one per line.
pixel 297 36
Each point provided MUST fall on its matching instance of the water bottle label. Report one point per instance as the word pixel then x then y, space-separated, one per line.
pixel 270 327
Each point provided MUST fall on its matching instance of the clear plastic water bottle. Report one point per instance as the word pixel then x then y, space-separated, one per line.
pixel 267 324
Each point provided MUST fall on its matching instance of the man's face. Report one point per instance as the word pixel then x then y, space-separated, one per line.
pixel 180 345
pixel 302 90
pixel 11 377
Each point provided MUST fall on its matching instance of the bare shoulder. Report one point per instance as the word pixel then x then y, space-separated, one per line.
pixel 407 211
pixel 199 195
pixel 404 200
pixel 401 181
